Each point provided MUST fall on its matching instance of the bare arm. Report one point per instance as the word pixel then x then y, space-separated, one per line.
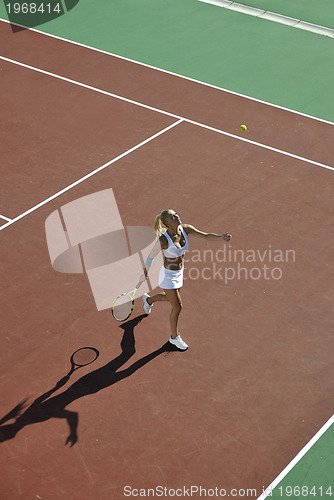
pixel 161 243
pixel 209 236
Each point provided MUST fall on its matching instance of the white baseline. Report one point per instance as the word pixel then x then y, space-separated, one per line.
pixel 171 73
pixel 157 110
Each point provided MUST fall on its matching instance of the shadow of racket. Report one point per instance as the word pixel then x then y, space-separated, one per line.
pixel 80 358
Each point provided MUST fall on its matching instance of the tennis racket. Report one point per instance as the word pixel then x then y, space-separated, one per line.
pixel 123 305
pixel 83 357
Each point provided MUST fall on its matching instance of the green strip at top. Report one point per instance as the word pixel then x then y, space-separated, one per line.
pixel 255 57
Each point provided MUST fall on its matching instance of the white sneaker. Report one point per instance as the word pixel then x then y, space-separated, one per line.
pixel 147 306
pixel 178 342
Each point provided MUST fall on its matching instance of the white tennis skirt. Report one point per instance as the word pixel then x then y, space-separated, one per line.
pixel 170 279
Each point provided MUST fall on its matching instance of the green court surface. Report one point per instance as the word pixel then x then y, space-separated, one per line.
pixel 312 11
pixel 311 476
pixel 255 57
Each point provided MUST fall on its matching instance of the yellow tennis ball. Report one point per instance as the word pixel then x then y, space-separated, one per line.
pixel 243 128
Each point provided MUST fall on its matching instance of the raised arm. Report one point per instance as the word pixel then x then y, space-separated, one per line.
pixel 209 236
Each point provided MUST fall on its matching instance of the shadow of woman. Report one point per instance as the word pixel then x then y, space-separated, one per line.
pixel 43 409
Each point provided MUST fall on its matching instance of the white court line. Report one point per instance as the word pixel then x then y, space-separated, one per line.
pixel 178 117
pixel 297 458
pixel 272 16
pixel 90 174
pixel 171 73
pixel 5 218
pixel 63 6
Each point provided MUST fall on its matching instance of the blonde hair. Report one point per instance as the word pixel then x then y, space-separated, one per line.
pixel 160 219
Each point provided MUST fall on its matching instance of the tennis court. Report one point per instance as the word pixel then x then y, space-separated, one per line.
pixel 254 389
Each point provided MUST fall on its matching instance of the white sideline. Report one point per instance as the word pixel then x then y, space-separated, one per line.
pixel 272 16
pixel 267 492
pixel 5 218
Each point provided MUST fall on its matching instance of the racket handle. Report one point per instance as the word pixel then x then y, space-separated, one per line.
pixel 64 380
pixel 139 284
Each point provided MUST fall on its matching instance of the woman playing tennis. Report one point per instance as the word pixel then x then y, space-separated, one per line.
pixel 173 241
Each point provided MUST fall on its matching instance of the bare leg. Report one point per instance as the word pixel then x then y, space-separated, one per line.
pixel 157 298
pixel 174 298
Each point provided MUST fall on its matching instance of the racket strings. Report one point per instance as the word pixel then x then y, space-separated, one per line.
pixel 122 307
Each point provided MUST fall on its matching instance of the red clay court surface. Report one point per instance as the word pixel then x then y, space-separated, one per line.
pixel 257 380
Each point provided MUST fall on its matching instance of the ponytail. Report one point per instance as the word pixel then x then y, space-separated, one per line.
pixel 158 226
pixel 159 220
